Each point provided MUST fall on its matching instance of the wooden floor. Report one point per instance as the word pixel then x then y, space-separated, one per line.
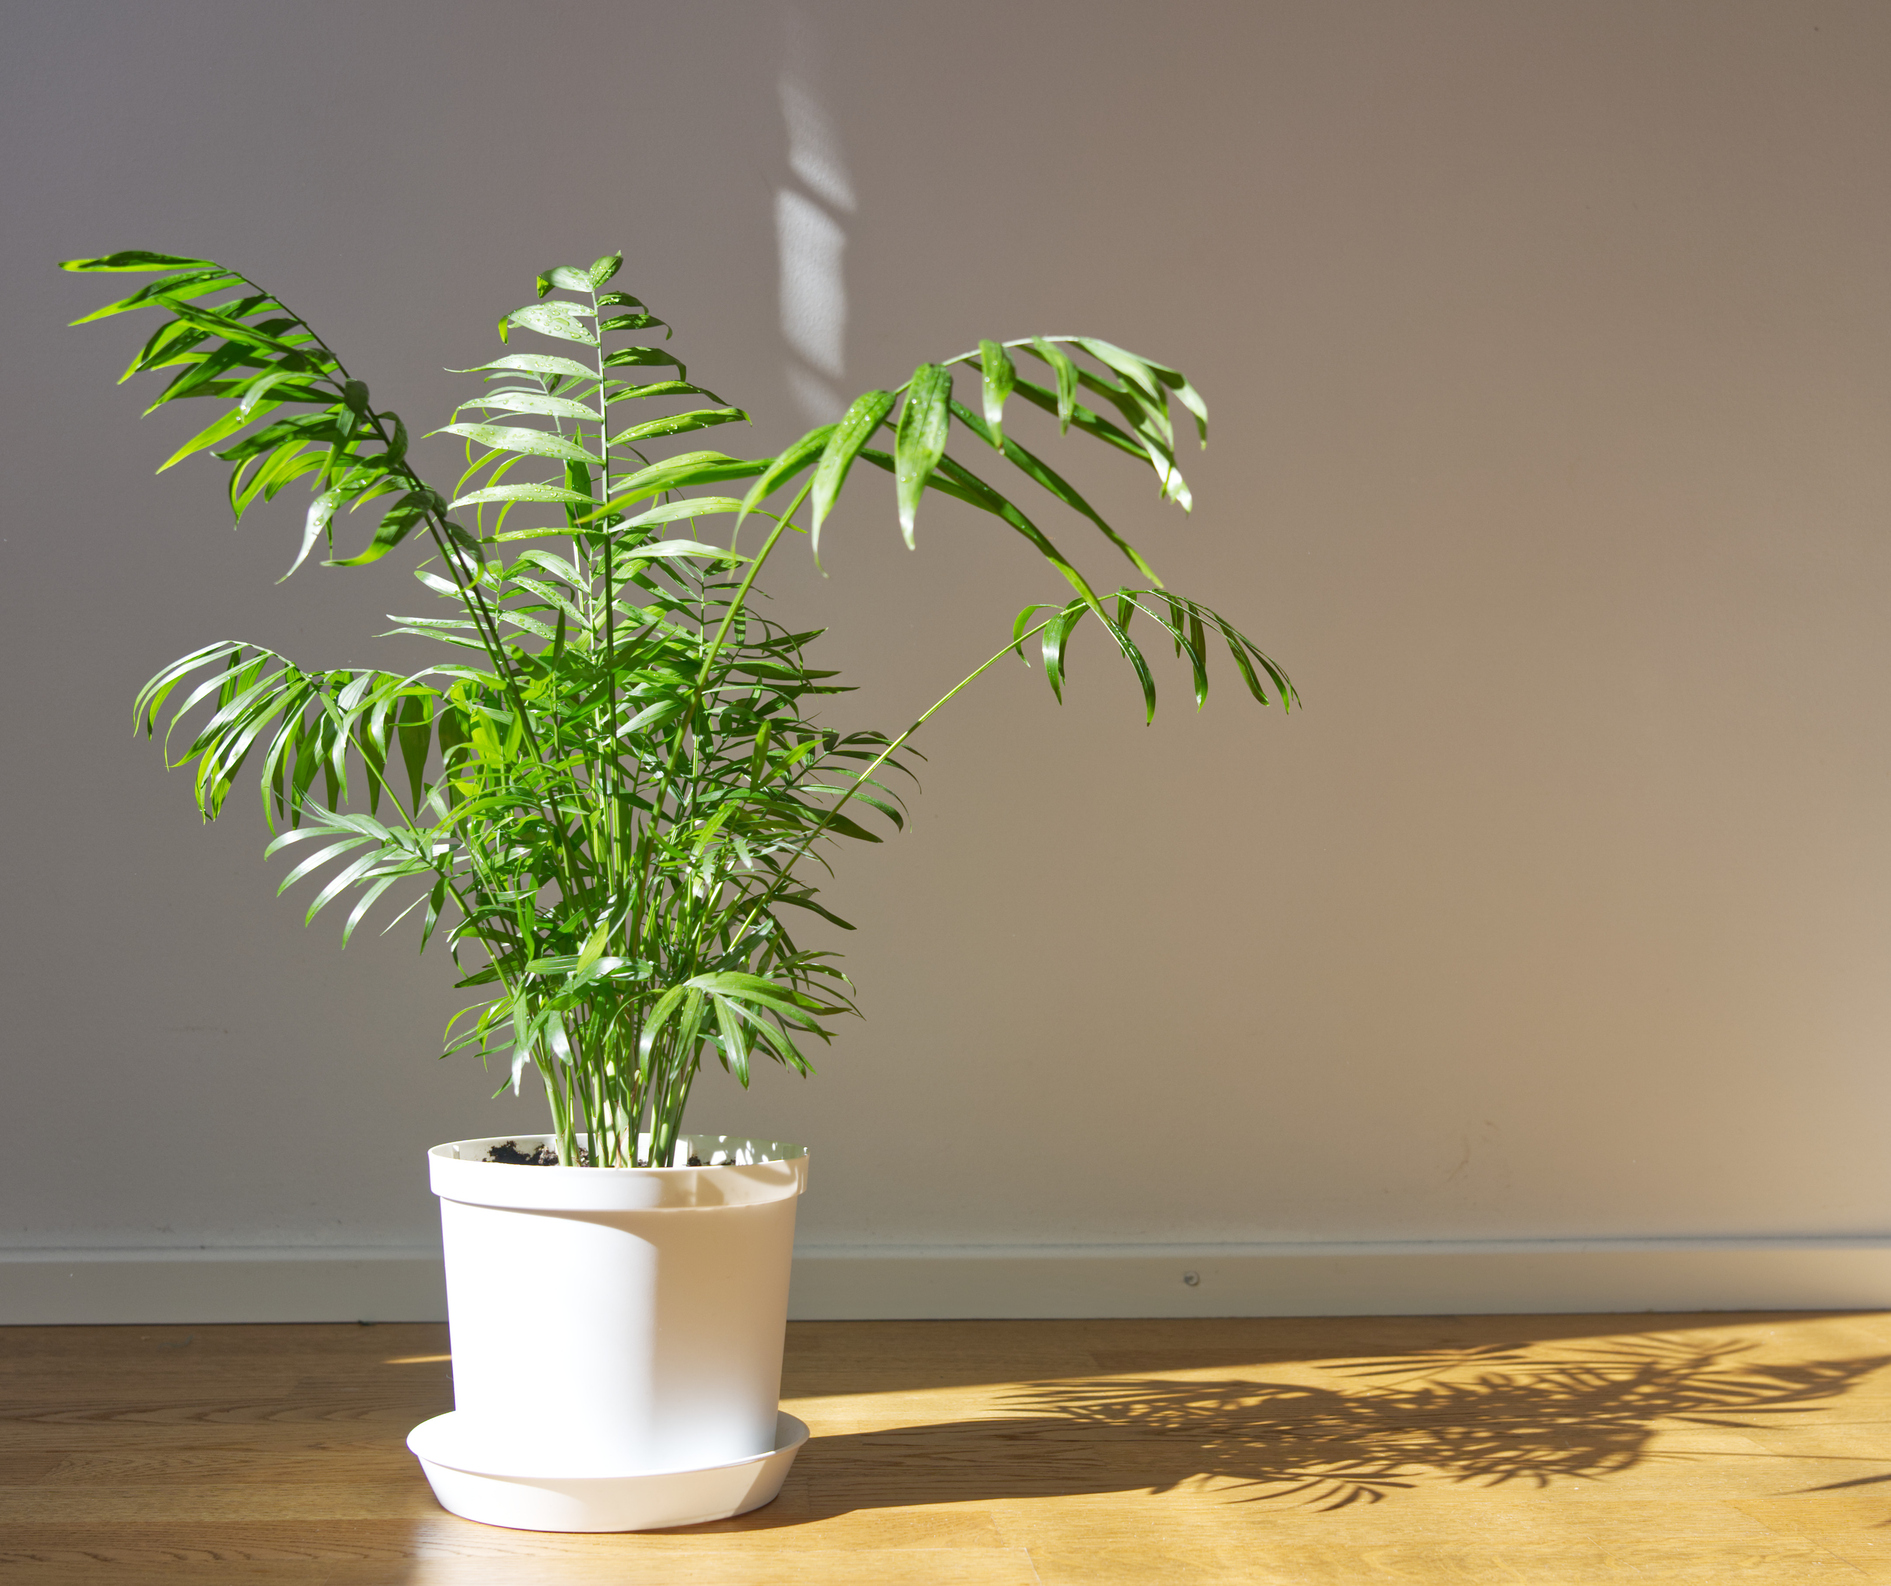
pixel 1717 1448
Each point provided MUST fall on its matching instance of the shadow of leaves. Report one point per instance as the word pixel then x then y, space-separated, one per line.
pixel 1366 1429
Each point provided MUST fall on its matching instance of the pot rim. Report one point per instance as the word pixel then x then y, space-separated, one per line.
pixel 762 1152
pixel 777 1170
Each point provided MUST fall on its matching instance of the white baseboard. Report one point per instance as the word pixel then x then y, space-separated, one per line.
pixel 1406 1279
pixel 300 1284
pixel 51 1287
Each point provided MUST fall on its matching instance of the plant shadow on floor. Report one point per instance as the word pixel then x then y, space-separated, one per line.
pixel 1482 1415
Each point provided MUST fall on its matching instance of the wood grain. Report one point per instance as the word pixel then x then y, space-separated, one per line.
pixel 1304 1450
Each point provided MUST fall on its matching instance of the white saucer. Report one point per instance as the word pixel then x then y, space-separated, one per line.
pixel 644 1502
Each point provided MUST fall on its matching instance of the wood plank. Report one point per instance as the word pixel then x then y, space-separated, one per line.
pixel 850 1567
pixel 1466 1563
pixel 378 1461
pixel 1445 1449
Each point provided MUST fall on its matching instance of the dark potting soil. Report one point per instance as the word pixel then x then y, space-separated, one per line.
pixel 540 1156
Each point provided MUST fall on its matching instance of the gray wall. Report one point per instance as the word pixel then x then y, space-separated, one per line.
pixel 1548 352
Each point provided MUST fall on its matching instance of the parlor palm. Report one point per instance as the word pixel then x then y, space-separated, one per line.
pixel 610 789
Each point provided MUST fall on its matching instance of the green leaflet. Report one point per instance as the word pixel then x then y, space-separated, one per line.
pixel 536 402
pixel 643 357
pixel 679 424
pixel 921 439
pixel 529 442
pixel 998 375
pixel 137 259
pixel 673 548
pixel 321 513
pixel 1066 373
pixel 559 319
pixel 1119 631
pixel 533 363
pixel 656 388
pixel 1056 636
pixel 689 507
pixel 868 412
pixel 216 431
pixel 520 493
pixel 565 276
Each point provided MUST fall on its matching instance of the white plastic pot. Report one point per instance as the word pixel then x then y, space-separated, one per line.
pixel 617 1336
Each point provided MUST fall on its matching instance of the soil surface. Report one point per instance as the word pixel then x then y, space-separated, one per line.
pixel 541 1156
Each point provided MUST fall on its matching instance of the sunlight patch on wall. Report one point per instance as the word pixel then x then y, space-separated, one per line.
pixel 813 287
pixel 811 233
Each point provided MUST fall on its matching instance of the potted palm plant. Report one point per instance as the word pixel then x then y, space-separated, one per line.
pixel 606 796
